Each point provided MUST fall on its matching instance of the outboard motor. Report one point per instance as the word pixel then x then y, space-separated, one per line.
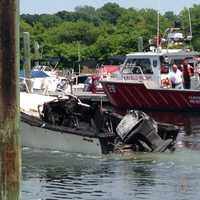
pixel 138 128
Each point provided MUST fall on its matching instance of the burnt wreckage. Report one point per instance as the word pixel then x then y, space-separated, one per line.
pixel 135 131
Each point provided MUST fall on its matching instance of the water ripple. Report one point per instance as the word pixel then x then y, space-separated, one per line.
pixel 154 176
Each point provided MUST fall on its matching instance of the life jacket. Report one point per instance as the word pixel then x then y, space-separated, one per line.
pixel 165 83
pixel 188 72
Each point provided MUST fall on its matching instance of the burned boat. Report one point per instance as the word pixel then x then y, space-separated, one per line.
pixel 52 123
pixel 67 124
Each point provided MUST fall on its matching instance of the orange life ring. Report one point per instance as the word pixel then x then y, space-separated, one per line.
pixel 165 83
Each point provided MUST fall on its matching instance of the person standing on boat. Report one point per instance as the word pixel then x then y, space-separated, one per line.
pixel 175 77
pixel 187 73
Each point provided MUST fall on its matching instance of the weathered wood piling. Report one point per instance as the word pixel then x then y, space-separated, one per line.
pixel 10 152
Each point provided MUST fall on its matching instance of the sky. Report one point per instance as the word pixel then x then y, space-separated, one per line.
pixel 51 6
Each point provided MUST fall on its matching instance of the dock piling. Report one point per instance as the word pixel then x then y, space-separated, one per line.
pixel 10 148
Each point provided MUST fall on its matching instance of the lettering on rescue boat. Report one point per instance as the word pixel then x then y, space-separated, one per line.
pixel 137 77
pixel 194 99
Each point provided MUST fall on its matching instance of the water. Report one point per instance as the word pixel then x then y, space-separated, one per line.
pixel 58 175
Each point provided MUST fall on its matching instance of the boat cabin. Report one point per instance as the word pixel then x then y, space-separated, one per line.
pixel 155 66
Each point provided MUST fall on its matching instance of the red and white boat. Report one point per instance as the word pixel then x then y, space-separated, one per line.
pixel 139 85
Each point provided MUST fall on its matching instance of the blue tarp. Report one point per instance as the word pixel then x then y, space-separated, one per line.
pixel 34 74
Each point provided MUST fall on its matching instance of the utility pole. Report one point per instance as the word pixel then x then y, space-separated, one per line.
pixel 36 52
pixel 27 59
pixel 79 59
pixel 158 31
pixel 10 148
pixel 140 44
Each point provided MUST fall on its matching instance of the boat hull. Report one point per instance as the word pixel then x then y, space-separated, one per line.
pixel 125 94
pixel 43 138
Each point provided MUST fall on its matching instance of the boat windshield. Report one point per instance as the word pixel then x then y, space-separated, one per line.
pixel 164 65
pixel 138 66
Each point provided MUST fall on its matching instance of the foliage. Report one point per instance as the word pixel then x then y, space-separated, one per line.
pixel 100 33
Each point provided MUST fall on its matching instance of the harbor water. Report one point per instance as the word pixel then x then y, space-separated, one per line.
pixel 152 176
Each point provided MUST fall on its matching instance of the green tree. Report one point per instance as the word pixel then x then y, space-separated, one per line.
pixel 110 12
pixel 101 33
pixel 195 16
pixel 49 21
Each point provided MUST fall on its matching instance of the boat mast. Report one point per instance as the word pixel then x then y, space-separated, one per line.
pixel 190 22
pixel 189 37
pixel 158 27
pixel 79 59
pixel 158 30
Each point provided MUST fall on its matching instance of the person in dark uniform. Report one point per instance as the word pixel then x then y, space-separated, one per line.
pixel 186 74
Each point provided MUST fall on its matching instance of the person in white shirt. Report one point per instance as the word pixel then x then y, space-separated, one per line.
pixel 175 76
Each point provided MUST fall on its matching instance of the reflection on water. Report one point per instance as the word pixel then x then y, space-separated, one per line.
pixel 190 122
pixel 56 175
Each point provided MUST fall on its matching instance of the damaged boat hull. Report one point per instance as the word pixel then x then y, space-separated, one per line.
pixel 43 138
pixel 66 124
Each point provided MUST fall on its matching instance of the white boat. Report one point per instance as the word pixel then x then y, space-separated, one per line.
pixel 38 134
pixel 51 82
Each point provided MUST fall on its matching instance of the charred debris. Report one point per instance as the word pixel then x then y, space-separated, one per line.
pixel 136 131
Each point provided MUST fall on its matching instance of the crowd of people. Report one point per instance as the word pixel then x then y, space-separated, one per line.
pixel 179 77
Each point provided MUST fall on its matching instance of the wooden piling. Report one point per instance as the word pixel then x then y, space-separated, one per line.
pixel 27 59
pixel 10 151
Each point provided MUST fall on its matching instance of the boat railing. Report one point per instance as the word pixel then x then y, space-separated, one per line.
pixel 24 82
pixel 27 85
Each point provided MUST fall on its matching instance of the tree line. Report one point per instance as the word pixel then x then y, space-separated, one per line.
pixel 101 33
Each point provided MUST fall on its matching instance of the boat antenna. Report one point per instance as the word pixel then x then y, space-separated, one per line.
pixel 158 30
pixel 79 58
pixel 190 22
pixel 158 27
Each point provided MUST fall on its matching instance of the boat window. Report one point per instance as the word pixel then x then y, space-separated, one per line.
pixel 178 62
pixel 191 61
pixel 155 63
pixel 164 65
pixel 138 66
pixel 80 79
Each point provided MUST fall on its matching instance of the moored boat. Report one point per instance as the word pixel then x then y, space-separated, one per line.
pixel 140 85
pixel 142 95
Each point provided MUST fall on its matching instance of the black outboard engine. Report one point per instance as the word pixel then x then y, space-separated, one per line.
pixel 138 128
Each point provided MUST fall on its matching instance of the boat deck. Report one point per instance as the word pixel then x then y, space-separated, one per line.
pixel 86 96
pixel 97 97
pixel 37 122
